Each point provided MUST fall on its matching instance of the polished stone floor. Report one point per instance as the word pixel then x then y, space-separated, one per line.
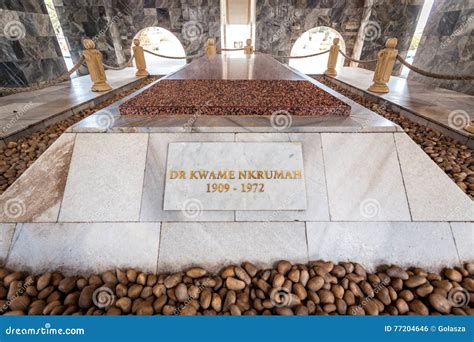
pixel 26 112
pixel 94 200
pixel 255 67
pixel 441 109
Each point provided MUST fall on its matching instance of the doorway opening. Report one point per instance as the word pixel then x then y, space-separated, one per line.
pixel 163 42
pixel 238 23
pixel 315 40
pixel 415 41
pixel 62 40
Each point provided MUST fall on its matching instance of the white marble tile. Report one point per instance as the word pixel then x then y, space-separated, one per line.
pixel 77 248
pixel 18 109
pixel 11 126
pixel 317 203
pixel 153 190
pixel 6 235
pixel 363 178
pixel 235 176
pixel 432 195
pixel 464 238
pixel 212 245
pixel 105 179
pixel 36 195
pixel 423 244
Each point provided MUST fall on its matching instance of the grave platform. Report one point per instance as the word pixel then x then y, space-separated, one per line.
pixel 95 200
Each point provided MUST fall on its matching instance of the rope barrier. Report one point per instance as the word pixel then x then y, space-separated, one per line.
pixel 433 75
pixel 305 56
pixel 38 86
pixel 239 49
pixel 120 67
pixel 164 56
pixel 357 60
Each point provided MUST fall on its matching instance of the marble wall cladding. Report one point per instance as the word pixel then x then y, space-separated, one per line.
pixel 281 22
pixel 389 18
pixel 192 21
pixel 114 23
pixel 29 50
pixel 87 19
pixel 447 44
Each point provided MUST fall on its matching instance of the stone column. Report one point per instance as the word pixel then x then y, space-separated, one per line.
pixel 360 39
pixel 139 59
pixel 385 63
pixel 114 31
pixel 93 59
pixel 332 60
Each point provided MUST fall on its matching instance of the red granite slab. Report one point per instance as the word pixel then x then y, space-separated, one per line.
pixel 234 97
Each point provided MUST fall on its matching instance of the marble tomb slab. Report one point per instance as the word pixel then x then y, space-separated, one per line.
pixel 36 196
pixel 432 195
pixel 424 244
pixel 235 176
pixel 6 235
pixel 315 179
pixel 154 182
pixel 214 244
pixel 364 180
pixel 84 248
pixel 234 97
pixel 463 233
pixel 105 178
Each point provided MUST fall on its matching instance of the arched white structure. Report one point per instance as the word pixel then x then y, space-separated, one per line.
pixel 162 41
pixel 317 39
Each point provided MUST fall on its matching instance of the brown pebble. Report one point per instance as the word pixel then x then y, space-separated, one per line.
pixel 440 303
pixel 173 280
pixel 85 298
pixel 43 281
pixel 196 272
pixel 315 283
pixel 415 281
pixel 283 267
pixel 234 284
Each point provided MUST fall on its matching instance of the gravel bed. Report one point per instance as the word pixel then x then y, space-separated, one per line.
pixel 234 97
pixel 455 159
pixel 21 153
pixel 316 288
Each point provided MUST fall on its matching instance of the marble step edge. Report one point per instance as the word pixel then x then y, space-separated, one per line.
pixel 63 114
pixel 460 136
